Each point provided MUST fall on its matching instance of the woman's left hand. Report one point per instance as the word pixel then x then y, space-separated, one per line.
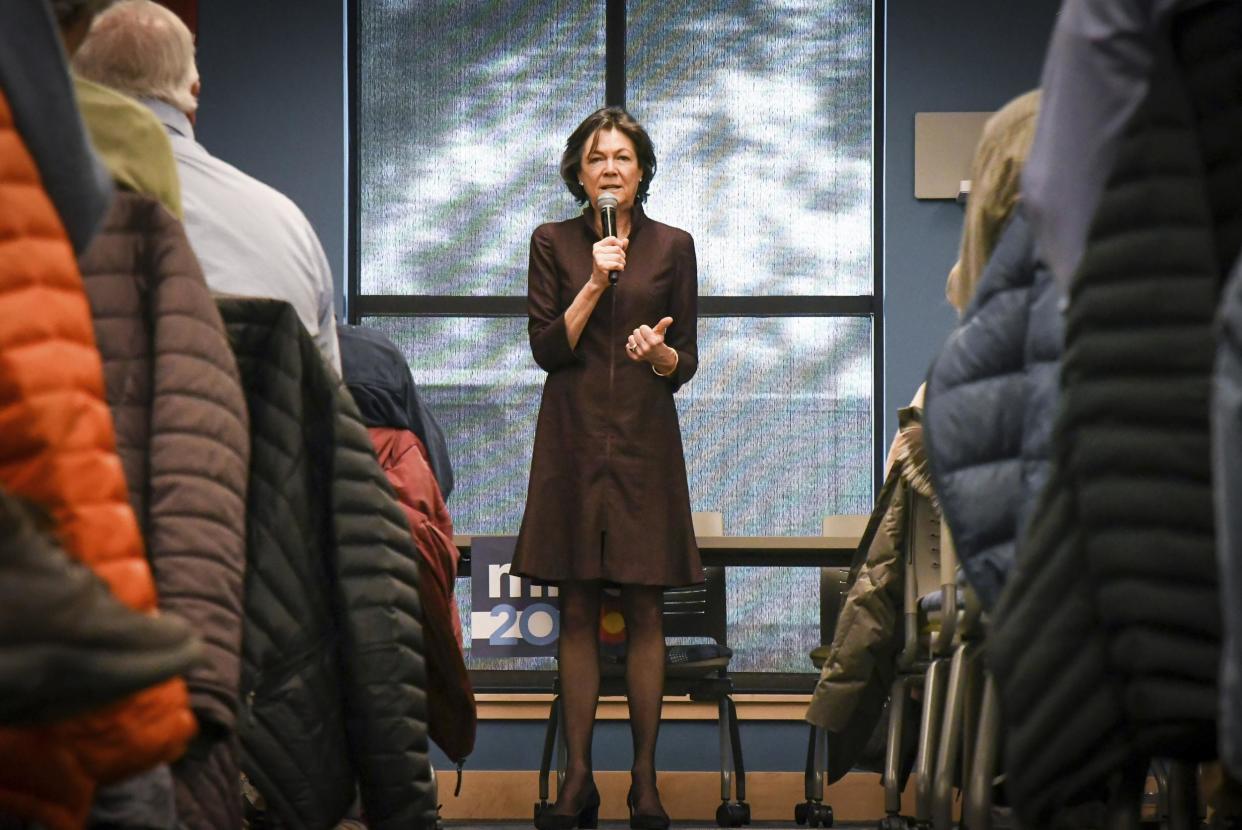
pixel 647 343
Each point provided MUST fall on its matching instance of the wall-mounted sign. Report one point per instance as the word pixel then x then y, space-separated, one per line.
pixel 510 616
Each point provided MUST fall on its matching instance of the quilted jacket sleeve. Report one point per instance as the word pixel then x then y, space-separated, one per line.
pixel 58 449
pixel 382 650
pixel 198 459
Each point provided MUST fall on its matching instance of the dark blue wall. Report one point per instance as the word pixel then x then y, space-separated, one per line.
pixel 941 56
pixel 274 102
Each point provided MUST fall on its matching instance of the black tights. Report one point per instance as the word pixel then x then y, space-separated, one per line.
pixel 578 656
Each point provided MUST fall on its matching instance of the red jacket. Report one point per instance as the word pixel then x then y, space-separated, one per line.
pixel 450 701
pixel 58 450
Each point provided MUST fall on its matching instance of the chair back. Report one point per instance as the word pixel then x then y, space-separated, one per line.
pixel 849 525
pixel 834 582
pixel 698 610
pixel 921 549
pixel 922 546
pixel 708 523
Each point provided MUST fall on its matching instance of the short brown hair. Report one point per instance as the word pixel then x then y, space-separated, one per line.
pixel 608 118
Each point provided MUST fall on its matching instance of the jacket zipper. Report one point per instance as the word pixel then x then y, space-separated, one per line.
pixel 612 367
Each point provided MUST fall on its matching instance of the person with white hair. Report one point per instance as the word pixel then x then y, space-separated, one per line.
pixel 250 239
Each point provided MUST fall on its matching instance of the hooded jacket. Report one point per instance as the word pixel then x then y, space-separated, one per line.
pixel 333 676
pixel 58 450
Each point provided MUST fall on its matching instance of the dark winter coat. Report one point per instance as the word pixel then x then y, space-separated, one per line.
pixel 182 435
pixel 380 381
pixel 608 497
pixel 1105 643
pixel 333 679
pixel 991 399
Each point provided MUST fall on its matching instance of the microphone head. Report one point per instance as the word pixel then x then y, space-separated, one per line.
pixel 606 201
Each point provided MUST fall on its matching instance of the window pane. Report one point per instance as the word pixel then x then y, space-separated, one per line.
pixel 761 115
pixel 477 377
pixel 778 434
pixel 777 427
pixel 463 112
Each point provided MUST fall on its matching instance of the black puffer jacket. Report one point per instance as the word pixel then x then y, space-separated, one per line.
pixel 991 399
pixel 1106 641
pixel 333 677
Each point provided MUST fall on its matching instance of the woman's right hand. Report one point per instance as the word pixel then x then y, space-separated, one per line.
pixel 609 255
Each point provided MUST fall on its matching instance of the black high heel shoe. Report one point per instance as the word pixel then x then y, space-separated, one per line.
pixel 587 816
pixel 638 821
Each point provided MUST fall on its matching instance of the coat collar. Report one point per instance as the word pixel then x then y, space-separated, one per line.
pixel 173 119
pixel 637 220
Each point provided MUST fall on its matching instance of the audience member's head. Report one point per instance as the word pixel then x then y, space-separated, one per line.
pixel 144 50
pixel 995 175
pixel 74 19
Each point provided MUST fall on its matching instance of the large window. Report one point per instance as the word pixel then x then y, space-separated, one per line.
pixel 762 114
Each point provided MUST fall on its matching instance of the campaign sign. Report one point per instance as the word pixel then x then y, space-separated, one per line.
pixel 510 616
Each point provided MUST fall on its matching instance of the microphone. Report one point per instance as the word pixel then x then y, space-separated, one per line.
pixel 607 204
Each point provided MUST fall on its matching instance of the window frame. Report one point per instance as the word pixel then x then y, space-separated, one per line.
pixel 359 305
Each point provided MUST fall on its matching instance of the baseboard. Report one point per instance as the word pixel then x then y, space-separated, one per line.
pixel 688 796
pixel 781 707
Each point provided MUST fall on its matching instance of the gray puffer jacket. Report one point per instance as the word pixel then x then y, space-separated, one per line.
pixel 183 438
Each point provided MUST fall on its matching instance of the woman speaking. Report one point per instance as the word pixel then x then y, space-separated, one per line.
pixel 608 502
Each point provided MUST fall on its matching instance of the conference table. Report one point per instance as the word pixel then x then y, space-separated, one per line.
pixel 752 551
pixel 730 551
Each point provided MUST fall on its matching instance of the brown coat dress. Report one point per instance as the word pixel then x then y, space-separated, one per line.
pixel 608 498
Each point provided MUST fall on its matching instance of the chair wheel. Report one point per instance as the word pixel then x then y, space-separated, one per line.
pixel 732 814
pixel 813 814
pixel 896 823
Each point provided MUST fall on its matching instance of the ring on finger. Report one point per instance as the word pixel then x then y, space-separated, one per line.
pixel 631 347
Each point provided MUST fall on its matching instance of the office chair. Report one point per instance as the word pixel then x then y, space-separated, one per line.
pixel 930 566
pixel 833 586
pixel 961 720
pixel 699 671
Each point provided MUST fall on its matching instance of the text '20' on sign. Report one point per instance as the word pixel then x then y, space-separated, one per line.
pixel 510 616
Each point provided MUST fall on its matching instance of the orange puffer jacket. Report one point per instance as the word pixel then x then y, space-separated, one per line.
pixel 57 449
